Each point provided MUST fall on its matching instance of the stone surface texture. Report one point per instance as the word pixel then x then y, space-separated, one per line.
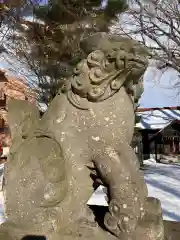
pixel 83 137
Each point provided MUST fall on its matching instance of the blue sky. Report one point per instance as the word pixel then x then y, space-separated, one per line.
pixel 42 2
pixel 161 89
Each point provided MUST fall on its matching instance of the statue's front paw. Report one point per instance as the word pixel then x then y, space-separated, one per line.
pixel 120 219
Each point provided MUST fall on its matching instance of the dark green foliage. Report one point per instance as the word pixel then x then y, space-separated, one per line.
pixel 68 11
pixel 56 44
pixel 113 7
pixel 137 119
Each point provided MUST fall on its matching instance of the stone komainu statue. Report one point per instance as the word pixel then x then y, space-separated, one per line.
pixel 87 129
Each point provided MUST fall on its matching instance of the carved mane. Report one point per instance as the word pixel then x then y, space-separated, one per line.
pixel 105 71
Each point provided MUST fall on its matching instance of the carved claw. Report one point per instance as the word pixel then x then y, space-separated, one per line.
pixel 111 224
pixel 118 221
pixel 114 208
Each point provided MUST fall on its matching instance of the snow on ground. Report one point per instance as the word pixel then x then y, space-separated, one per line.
pixel 2 217
pixel 163 181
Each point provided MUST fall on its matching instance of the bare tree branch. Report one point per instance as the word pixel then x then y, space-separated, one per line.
pixel 156 24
